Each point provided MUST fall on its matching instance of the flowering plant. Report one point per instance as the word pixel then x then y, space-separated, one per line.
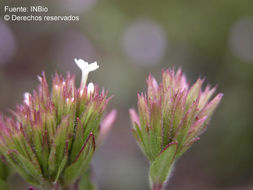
pixel 170 118
pixel 53 135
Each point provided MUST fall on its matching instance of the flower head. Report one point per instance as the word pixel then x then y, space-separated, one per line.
pixel 170 118
pixel 53 135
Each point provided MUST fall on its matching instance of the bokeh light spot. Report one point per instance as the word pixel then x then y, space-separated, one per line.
pixel 241 39
pixel 69 45
pixel 144 42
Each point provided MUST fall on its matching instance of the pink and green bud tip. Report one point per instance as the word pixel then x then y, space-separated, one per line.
pixel 171 116
pixel 52 136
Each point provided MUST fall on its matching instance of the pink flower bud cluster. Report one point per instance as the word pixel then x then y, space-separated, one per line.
pixel 51 137
pixel 172 112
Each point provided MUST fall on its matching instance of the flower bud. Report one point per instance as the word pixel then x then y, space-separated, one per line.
pixel 52 136
pixel 170 118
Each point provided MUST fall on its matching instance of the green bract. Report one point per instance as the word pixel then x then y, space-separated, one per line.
pixel 170 118
pixel 52 136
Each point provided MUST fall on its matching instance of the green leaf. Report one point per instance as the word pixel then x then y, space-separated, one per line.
pixel 63 162
pixel 80 164
pixel 24 167
pixel 57 152
pixel 86 182
pixel 139 136
pixel 91 120
pixel 161 167
pixel 155 136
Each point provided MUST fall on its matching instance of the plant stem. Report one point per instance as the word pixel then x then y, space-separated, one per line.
pixel 66 188
pixel 49 187
pixel 157 186
pixel 74 186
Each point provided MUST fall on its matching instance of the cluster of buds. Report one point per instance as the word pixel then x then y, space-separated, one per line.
pixel 52 136
pixel 171 116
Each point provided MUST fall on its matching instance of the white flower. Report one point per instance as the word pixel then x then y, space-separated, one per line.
pixel 90 88
pixel 27 98
pixel 86 68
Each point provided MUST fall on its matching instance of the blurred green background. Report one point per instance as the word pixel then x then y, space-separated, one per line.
pixel 130 39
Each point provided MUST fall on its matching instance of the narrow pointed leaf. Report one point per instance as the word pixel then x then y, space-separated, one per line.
pixel 161 167
pixel 81 162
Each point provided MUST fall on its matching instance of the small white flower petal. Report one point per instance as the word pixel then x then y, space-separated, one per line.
pixel 93 66
pixel 81 63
